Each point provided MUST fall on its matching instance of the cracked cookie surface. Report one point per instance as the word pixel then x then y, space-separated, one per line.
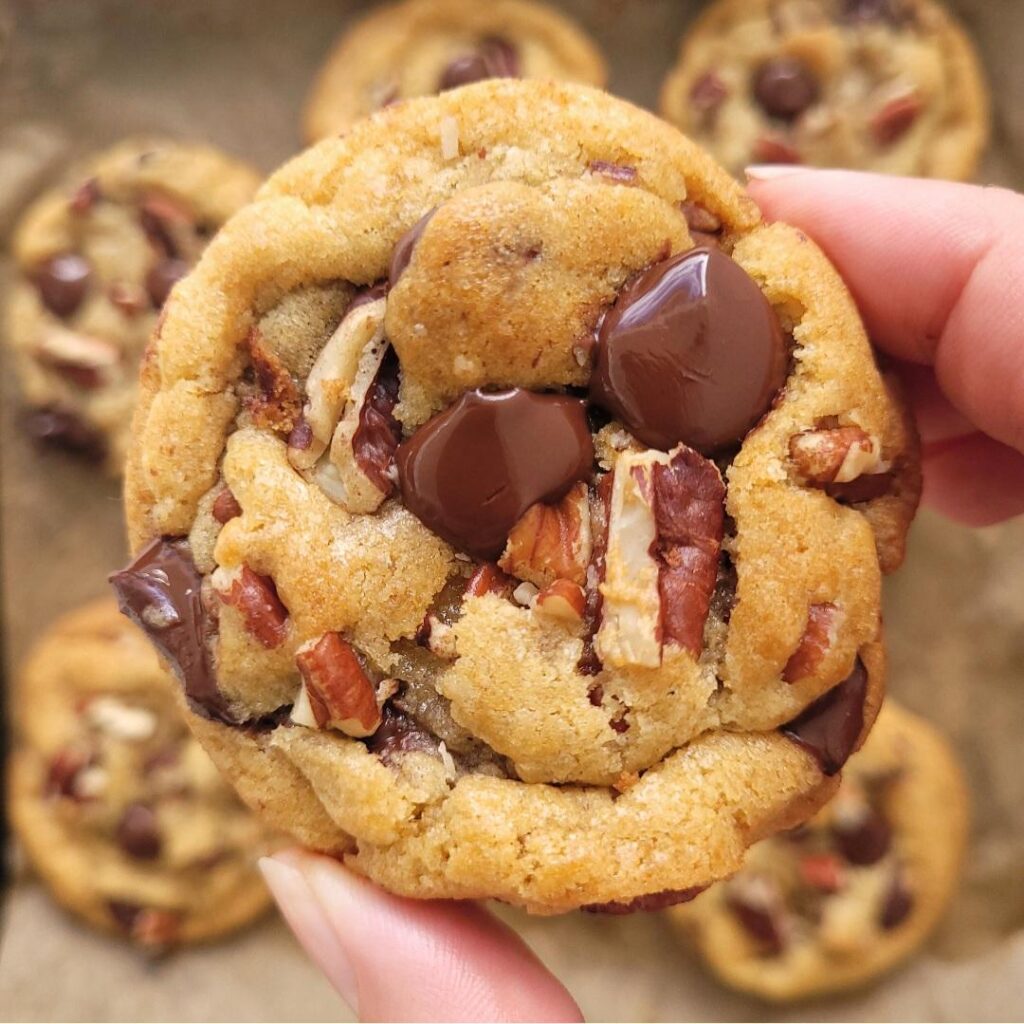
pixel 96 259
pixel 882 85
pixel 857 889
pixel 421 47
pixel 435 607
pixel 121 812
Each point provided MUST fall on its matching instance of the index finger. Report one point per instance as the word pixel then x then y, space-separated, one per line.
pixel 935 268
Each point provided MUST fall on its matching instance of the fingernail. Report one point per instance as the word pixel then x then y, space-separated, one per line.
pixel 767 172
pixel 304 912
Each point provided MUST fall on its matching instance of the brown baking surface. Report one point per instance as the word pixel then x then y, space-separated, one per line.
pixel 82 73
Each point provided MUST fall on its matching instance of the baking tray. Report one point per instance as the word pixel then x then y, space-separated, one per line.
pixel 77 75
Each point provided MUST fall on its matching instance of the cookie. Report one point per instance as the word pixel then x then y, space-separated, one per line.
pixel 519 533
pixel 120 811
pixel 96 259
pixel 421 47
pixel 857 889
pixel 879 85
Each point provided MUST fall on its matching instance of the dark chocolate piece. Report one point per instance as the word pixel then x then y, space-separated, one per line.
pixel 62 282
pixel 378 433
pixel 648 902
pixel 865 840
pixel 138 833
pixel 785 87
pixel 61 428
pixel 162 277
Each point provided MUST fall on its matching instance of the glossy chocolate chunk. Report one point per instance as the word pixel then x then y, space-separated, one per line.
pixel 899 902
pixel 398 734
pixel 472 471
pixel 691 352
pixel 402 252
pixel 160 592
pixel 495 58
pixel 63 281
pixel 162 277
pixel 138 833
pixel 648 902
pixel 378 433
pixel 830 727
pixel 785 87
pixel 863 840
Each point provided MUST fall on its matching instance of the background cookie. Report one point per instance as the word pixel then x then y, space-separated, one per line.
pixel 97 258
pixel 121 812
pixel 448 685
pixel 884 85
pixel 426 46
pixel 857 889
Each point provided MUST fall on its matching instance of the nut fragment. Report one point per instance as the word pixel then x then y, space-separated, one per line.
pixel 120 720
pixel 562 600
pixel 488 579
pixel 664 535
pixel 255 598
pixel 895 118
pixel 817 638
pixel 845 461
pixel 551 542
pixel 275 405
pixel 226 507
pixel 84 360
pixel 170 226
pixel 822 871
pixel 336 692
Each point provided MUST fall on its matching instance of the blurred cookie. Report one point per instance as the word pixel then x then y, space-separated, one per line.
pixel 121 812
pixel 882 85
pixel 855 891
pixel 426 46
pixel 525 537
pixel 95 262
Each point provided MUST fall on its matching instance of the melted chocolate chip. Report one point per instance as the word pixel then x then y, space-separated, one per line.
pixel 62 282
pixel 398 734
pixel 160 592
pixel 402 252
pixel 162 277
pixel 471 472
pixel 758 922
pixel 495 58
pixel 830 727
pixel 138 833
pixel 125 914
pixel 865 487
pixel 691 351
pixel 647 902
pixel 64 770
pixel 378 433
pixel 899 902
pixel 864 840
pixel 62 428
pixel 785 87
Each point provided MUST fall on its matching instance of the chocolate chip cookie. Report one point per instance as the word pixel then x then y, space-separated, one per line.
pixel 857 889
pixel 421 47
pixel 519 533
pixel 883 85
pixel 97 258
pixel 121 812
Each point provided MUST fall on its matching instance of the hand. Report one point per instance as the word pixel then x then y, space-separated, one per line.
pixel 397 959
pixel 936 270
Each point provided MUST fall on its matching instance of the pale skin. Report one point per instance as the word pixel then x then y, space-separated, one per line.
pixel 935 269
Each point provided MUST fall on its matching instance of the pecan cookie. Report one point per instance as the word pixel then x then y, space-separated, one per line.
pixel 857 889
pixel 121 812
pixel 883 85
pixel 421 47
pixel 515 533
pixel 96 261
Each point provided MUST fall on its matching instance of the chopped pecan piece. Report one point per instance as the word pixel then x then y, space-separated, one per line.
pixel 814 644
pixel 276 404
pixel 149 926
pixel 665 532
pixel 590 663
pixel 895 118
pixel 170 226
pixel 226 507
pixel 80 358
pixel 623 174
pixel 551 542
pixel 769 150
pixel 822 871
pixel 562 600
pixel 85 197
pixel 488 579
pixel 336 692
pixel 845 462
pixel 707 94
pixel 255 598
pixel 66 768
pixel 704 226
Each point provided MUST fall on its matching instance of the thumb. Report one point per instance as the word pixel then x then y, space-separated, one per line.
pixel 398 959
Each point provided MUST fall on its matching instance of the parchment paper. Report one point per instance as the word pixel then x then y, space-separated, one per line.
pixel 78 74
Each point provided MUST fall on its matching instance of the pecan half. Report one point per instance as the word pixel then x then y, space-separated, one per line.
pixel 255 598
pixel 895 118
pixel 276 404
pixel 664 536
pixel 85 361
pixel 351 393
pixel 336 692
pixel 814 644
pixel 845 462
pixel 551 542
pixel 562 600
pixel 226 507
